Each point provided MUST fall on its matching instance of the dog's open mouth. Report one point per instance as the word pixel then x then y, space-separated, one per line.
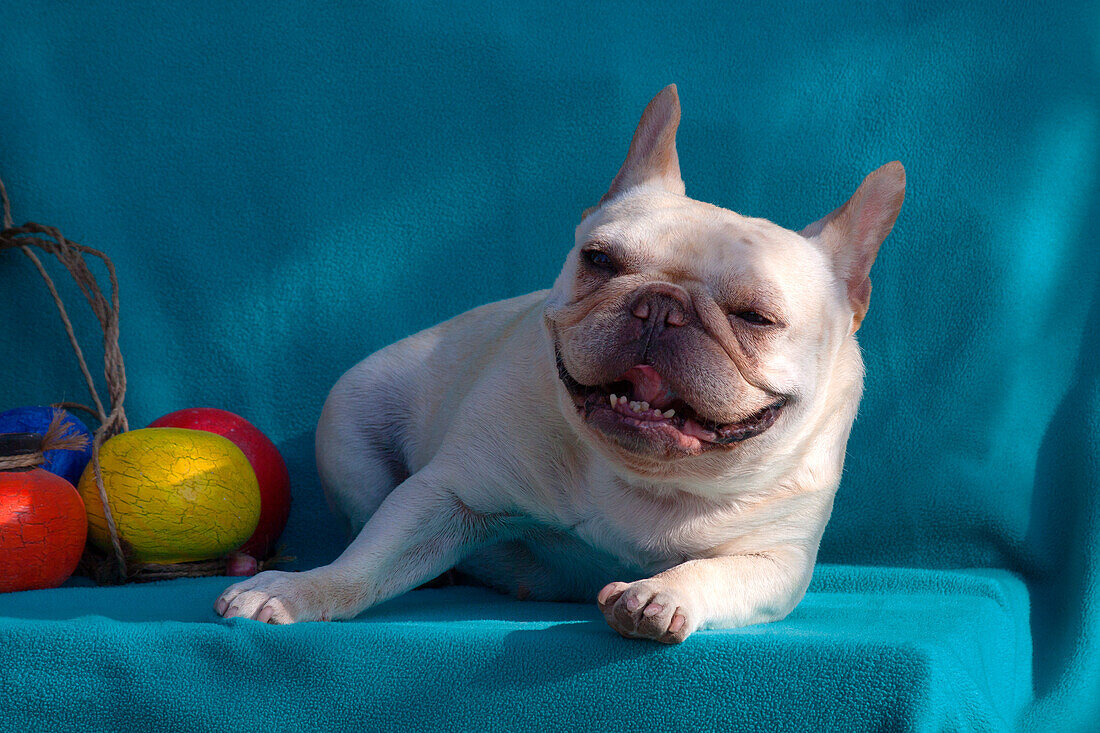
pixel 640 400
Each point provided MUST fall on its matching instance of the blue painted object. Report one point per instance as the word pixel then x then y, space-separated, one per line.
pixel 68 464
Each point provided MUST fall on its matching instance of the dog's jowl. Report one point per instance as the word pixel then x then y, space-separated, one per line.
pixel 661 433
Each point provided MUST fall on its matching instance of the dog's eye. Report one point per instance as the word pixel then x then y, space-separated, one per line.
pixel 600 260
pixel 754 318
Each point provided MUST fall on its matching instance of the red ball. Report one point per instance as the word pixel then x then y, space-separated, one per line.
pixel 269 466
pixel 42 530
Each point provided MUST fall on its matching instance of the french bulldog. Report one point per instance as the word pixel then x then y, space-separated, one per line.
pixel 663 431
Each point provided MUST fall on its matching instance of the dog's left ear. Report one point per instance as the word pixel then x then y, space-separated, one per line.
pixel 851 235
pixel 652 157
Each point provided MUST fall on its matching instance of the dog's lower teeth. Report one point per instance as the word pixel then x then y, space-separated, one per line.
pixel 640 407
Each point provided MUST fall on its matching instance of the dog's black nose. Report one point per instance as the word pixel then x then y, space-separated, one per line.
pixel 661 305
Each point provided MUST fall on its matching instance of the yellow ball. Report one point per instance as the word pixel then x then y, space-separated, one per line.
pixel 175 494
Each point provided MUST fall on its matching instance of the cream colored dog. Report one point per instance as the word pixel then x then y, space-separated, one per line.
pixel 667 423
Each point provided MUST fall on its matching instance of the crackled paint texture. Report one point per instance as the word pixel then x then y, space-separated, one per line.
pixel 42 530
pixel 176 494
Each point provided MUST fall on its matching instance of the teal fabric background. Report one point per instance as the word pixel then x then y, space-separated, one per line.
pixel 870 649
pixel 285 188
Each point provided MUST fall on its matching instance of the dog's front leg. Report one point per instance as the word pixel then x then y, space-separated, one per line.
pixel 722 591
pixel 421 530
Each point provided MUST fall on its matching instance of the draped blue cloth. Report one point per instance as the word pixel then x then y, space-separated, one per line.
pixel 286 187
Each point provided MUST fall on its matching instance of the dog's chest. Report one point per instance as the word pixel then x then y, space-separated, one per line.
pixel 572 561
pixel 647 552
pixel 650 534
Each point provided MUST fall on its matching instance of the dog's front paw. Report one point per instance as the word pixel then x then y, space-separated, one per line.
pixel 647 609
pixel 276 597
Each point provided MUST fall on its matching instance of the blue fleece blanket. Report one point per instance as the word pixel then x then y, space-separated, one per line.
pixel 870 649
pixel 285 188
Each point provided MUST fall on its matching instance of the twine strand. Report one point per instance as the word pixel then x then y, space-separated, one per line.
pixel 99 412
pixel 8 221
pixel 71 255
pixel 71 406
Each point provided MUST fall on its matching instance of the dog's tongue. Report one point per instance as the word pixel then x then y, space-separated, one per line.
pixel 649 386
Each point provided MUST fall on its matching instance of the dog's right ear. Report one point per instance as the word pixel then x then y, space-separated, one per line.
pixel 652 156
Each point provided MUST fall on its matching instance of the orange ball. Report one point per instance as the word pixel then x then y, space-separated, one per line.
pixel 42 529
